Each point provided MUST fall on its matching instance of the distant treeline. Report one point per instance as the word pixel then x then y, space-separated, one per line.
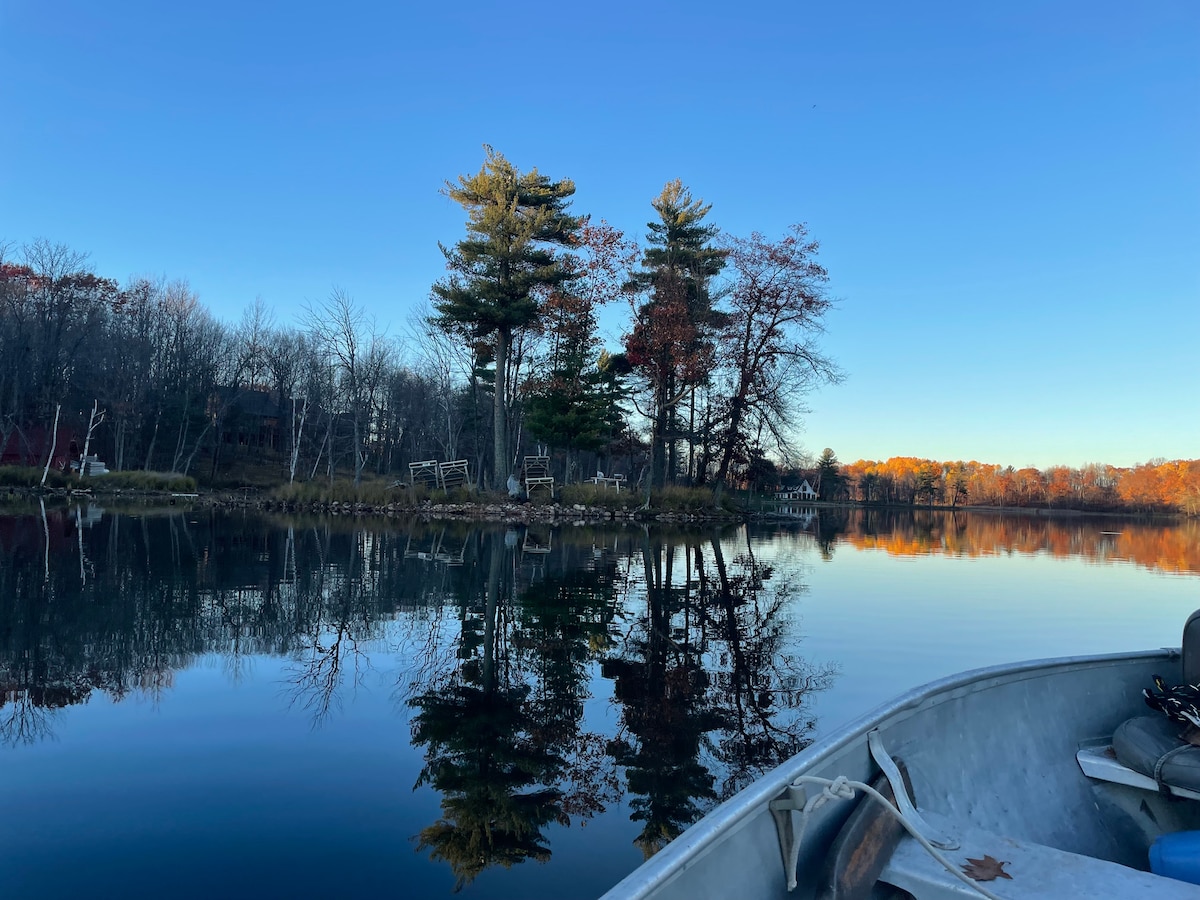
pixel 1174 549
pixel 1171 486
pixel 719 346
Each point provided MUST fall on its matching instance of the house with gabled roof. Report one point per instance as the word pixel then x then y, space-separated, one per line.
pixel 803 492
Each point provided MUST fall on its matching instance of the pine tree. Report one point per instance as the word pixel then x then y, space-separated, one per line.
pixel 514 222
pixel 575 406
pixel 671 341
pixel 829 477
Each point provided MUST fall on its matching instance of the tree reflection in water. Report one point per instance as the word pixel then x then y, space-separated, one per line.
pixel 704 683
pixel 337 606
pixel 694 645
pixel 503 728
pixel 503 639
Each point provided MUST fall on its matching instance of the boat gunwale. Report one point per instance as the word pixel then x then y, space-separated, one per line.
pixel 736 812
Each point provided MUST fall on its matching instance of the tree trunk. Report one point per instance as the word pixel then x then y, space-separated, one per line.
pixel 196 449
pixel 737 410
pixel 693 473
pixel 360 457
pixel 53 447
pixel 153 438
pixel 216 452
pixel 297 433
pixel 658 439
pixel 180 441
pixel 500 418
pixel 671 435
pixel 119 445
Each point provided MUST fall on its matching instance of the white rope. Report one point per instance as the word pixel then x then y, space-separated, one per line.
pixel 842 788
pixel 838 789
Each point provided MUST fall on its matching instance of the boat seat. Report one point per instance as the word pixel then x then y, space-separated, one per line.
pixel 1037 872
pixel 1152 746
pixel 1190 649
pixel 1147 751
pixel 1099 761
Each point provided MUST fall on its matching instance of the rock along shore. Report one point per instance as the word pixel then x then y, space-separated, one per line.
pixel 515 513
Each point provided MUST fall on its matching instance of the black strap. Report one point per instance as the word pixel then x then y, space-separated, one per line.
pixel 1163 787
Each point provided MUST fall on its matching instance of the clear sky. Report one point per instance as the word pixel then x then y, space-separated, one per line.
pixel 1007 194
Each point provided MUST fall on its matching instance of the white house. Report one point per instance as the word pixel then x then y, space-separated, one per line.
pixel 803 492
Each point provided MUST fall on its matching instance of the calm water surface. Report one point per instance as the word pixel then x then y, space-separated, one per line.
pixel 203 705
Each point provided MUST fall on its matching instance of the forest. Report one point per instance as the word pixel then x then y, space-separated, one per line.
pixel 1157 486
pixel 719 347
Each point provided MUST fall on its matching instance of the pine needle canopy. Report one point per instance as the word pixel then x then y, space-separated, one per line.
pixel 680 261
pixel 678 240
pixel 514 221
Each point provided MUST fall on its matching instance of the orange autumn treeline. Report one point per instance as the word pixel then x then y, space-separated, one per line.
pixel 1154 487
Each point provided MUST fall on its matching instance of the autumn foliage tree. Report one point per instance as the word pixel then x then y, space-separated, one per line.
pixel 1159 486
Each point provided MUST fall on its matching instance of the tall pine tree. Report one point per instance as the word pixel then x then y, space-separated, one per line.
pixel 506 261
pixel 671 343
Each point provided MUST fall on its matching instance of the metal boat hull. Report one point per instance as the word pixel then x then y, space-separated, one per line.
pixel 992 750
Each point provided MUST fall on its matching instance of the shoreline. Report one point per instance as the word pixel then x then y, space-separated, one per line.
pixel 489 510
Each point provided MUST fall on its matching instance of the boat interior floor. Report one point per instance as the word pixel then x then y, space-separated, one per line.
pixel 1035 871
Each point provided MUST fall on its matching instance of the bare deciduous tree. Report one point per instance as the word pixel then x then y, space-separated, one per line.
pixel 770 349
pixel 358 355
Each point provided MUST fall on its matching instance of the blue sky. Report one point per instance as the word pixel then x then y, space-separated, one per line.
pixel 1007 195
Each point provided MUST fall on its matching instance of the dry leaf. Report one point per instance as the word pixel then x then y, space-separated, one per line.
pixel 986 869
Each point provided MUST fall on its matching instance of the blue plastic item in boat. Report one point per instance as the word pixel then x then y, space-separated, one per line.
pixel 1177 856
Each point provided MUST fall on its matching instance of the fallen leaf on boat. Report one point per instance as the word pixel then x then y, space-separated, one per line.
pixel 986 869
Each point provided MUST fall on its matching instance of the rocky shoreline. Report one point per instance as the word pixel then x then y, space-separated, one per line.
pixel 506 513
pixel 502 513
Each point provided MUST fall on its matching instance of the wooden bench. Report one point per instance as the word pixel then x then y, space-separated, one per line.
pixel 607 481
pixel 453 474
pixel 424 473
pixel 533 484
pixel 536 467
pixel 536 475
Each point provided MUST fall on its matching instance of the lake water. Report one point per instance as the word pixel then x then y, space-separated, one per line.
pixel 196 704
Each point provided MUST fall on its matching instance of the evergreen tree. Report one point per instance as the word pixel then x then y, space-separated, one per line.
pixel 829 479
pixel 577 410
pixel 672 338
pixel 506 261
pixel 575 406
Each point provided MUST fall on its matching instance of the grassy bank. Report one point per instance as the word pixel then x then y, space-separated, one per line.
pixel 27 477
pixel 375 492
